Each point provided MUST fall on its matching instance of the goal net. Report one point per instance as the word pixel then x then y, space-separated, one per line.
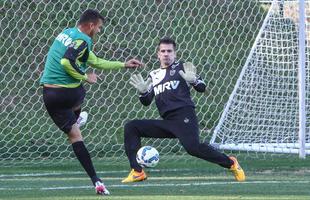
pixel 217 36
pixel 263 113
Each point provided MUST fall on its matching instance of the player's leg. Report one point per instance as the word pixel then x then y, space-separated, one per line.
pixel 133 132
pixel 136 129
pixel 208 153
pixel 82 154
pixel 188 136
pixel 77 111
pixel 186 128
pixel 60 103
pixel 81 117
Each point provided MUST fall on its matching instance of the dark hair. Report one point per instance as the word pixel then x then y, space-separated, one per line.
pixel 90 15
pixel 167 40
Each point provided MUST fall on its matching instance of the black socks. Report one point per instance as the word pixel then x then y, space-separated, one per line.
pixel 83 156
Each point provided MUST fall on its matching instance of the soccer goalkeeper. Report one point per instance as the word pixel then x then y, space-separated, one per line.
pixel 63 92
pixel 170 85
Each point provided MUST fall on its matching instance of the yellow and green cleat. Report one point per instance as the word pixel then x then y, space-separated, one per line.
pixel 135 176
pixel 237 170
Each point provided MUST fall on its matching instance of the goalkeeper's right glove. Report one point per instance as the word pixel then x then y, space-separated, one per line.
pixel 136 80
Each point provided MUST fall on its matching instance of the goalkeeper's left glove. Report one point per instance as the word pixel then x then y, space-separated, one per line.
pixel 189 74
pixel 137 81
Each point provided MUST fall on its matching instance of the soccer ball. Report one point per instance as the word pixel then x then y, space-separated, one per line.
pixel 147 156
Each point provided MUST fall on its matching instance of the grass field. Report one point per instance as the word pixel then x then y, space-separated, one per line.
pixel 276 178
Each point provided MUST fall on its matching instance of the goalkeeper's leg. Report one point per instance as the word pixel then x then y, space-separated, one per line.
pixel 208 153
pixel 134 130
pixel 188 134
pixel 187 130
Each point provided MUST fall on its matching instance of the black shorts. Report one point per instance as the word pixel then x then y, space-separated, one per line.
pixel 60 103
pixel 181 123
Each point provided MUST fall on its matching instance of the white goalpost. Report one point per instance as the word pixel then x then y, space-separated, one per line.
pixel 268 110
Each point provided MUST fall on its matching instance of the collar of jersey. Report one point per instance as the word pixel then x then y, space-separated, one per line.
pixel 174 63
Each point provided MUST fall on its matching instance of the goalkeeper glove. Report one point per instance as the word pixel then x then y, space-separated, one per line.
pixel 189 73
pixel 136 80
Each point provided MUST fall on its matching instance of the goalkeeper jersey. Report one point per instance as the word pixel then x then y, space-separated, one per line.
pixel 68 58
pixel 170 90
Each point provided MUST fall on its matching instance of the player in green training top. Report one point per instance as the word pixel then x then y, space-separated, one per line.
pixel 64 73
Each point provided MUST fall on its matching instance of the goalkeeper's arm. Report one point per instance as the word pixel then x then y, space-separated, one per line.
pixel 190 76
pixel 147 97
pixel 145 88
pixel 199 85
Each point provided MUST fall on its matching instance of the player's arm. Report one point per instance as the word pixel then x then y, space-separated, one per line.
pixel 77 51
pixel 190 76
pixel 199 85
pixel 100 63
pixel 147 97
pixel 144 88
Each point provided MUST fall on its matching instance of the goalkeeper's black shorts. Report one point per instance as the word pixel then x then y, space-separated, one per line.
pixel 60 103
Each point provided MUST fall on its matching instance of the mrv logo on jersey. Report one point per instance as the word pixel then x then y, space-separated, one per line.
pixel 64 38
pixel 170 85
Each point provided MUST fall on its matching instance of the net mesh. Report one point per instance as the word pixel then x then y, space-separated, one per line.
pixel 216 36
pixel 263 114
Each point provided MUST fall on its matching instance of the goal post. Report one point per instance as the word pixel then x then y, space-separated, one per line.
pixel 302 81
pixel 266 111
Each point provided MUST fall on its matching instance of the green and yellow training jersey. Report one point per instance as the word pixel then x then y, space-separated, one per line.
pixel 69 56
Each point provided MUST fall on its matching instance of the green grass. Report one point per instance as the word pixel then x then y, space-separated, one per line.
pixel 274 178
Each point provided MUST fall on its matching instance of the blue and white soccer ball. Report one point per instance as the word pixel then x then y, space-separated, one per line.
pixel 147 156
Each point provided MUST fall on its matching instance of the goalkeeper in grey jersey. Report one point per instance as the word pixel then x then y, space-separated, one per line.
pixel 170 86
pixel 63 93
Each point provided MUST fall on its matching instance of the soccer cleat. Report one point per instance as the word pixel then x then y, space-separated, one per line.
pixel 81 121
pixel 237 170
pixel 135 176
pixel 101 189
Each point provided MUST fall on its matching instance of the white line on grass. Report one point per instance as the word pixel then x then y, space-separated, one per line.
pixel 157 185
pixel 115 178
pixel 82 172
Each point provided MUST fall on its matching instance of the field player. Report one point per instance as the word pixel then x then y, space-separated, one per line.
pixel 63 93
